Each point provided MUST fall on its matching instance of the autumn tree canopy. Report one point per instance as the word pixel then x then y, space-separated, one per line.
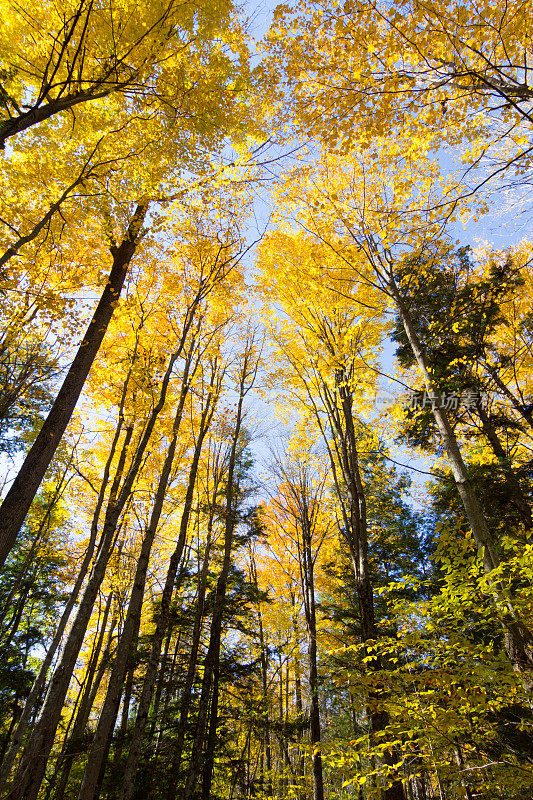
pixel 266 401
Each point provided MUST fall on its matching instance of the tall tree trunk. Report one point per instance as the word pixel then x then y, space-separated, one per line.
pixel 94 770
pixel 30 773
pixel 18 500
pixel 40 680
pixel 186 693
pixel 29 560
pixel 356 535
pixel 518 637
pixel 15 716
pixel 72 742
pixel 298 687
pixel 145 699
pixel 461 766
pixel 125 711
pixel 310 611
pixel 160 683
pixel 212 659
pixel 82 718
pixel 211 739
pixel 266 758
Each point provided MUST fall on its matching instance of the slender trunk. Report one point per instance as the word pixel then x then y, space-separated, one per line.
pixel 314 710
pixel 283 770
pixel 461 765
pixel 75 744
pixel 207 774
pixel 356 534
pixel 358 520
pixel 17 615
pixel 145 699
pixel 186 693
pixel 298 686
pixel 482 535
pixel 267 752
pixel 168 696
pixel 125 712
pixel 27 781
pixel 29 559
pixel 161 678
pixel 18 500
pixel 212 658
pixel 94 770
pixel 518 637
pixel 39 681
pixel 13 722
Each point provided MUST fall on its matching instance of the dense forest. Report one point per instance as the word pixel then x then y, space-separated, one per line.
pixel 266 400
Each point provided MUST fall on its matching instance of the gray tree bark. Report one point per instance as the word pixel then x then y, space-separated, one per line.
pixel 18 500
pixel 30 773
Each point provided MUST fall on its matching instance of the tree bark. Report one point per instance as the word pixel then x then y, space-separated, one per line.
pixel 32 767
pixel 71 747
pixel 266 756
pixel 18 500
pixel 310 612
pixel 212 659
pixel 39 681
pixel 94 770
pixel 128 783
pixel 186 694
pixel 518 637
pixel 356 535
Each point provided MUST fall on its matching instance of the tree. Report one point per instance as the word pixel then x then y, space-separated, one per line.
pixel 206 723
pixel 203 266
pixel 370 240
pixel 482 306
pixel 440 76
pixel 149 148
pixel 298 509
pixel 54 59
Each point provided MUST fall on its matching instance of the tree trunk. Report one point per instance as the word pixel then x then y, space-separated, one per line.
pixel 30 773
pixel 163 617
pixel 267 751
pixel 310 609
pixel 298 687
pixel 518 637
pixel 72 746
pixel 18 500
pixel 39 682
pixel 29 560
pixel 212 659
pixel 356 535
pixel 186 693
pixel 94 770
